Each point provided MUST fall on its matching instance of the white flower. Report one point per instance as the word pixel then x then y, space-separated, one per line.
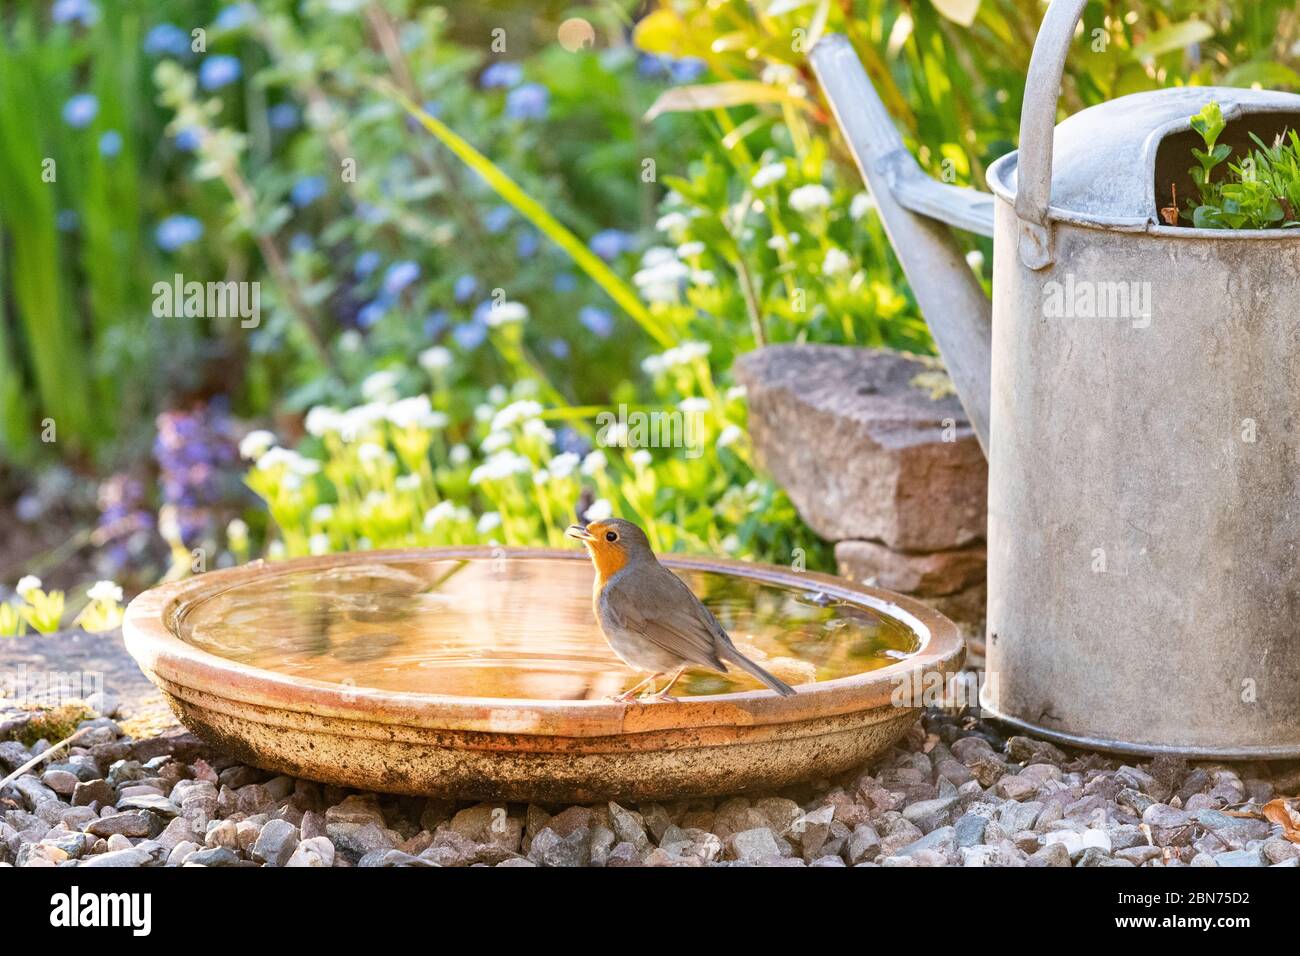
pixel 729 436
pixel 641 458
pixel 672 222
pixel 319 544
pixel 600 510
pixel 688 249
pixel 322 514
pixel 731 543
pixel 661 277
pixel 497 394
pixel 106 591
pixel 563 464
pixel 495 441
pixel 704 277
pixel 683 354
pixel 694 405
pixel 778 243
pixel 516 412
pixel 349 341
pixel 736 393
pixel 490 521
pixel 459 454
pixel 256 444
pixel 975 259
pixel 594 462
pixel 276 551
pixel 323 420
pixel 291 461
pixel 483 412
pixel 536 428
pixel 435 359
pixel 810 198
pixel 769 174
pixel 541 476
pixel 503 464
pixel 237 532
pixel 505 313
pixel 369 452
pixel 615 435
pixel 361 420
pixel 836 261
pixel 416 412
pixel 380 385
pixel 861 205
pixel 442 511
pixel 407 482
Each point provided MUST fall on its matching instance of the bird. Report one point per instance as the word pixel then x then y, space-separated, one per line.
pixel 651 618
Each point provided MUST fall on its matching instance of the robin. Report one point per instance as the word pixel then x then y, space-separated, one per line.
pixel 650 617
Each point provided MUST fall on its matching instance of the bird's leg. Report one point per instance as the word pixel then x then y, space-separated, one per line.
pixel 663 694
pixel 631 692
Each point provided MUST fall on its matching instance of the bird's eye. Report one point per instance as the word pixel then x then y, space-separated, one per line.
pixel 611 535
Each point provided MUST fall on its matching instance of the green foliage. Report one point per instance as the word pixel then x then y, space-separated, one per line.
pixel 1261 191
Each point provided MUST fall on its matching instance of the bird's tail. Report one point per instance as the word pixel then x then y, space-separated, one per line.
pixel 733 656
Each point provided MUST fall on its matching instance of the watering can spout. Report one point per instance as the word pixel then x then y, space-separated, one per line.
pixel 917 212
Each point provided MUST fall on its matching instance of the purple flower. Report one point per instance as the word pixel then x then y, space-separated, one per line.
pixel 596 321
pixel 75 11
pixel 283 116
pixel 81 110
pixel 219 70
pixel 464 289
pixel 501 75
pixel 399 276
pixel 307 190
pixel 187 140
pixel 528 102
pixel 497 219
pixel 526 245
pixel 372 312
pixel 470 335
pixel 367 263
pixel 609 244
pixel 176 231
pixel 559 348
pixel 167 39
pixel 434 323
pixel 685 69
pixel 196 453
pixel 110 143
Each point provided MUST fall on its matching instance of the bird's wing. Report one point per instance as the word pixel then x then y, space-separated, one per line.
pixel 666 612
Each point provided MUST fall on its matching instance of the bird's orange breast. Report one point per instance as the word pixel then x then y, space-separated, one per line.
pixel 608 562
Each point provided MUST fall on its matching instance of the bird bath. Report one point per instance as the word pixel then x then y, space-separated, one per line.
pixel 481 673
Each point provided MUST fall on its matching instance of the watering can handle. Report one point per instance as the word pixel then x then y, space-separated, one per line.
pixel 1038 130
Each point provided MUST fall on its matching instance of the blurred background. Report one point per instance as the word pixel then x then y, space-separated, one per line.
pixel 470 228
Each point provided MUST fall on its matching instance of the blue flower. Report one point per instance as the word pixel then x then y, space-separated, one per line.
pixel 372 312
pixel 470 335
pixel 528 102
pixel 307 190
pixel 501 75
pixel 176 231
pixel 559 348
pixel 367 263
pixel 187 140
pixel 609 244
pixel 67 220
pixel 686 69
pixel 497 219
pixel 283 116
pixel 526 246
pixel 464 288
pixel 78 11
pixel 301 242
pixel 219 70
pixel 434 323
pixel 110 143
pixel 233 17
pixel 565 282
pixel 80 110
pixel 167 39
pixel 399 276
pixel 596 321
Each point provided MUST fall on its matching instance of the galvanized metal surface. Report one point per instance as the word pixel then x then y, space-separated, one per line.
pixel 1144 484
pixel 534 750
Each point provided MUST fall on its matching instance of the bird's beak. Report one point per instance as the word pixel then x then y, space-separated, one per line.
pixel 579 532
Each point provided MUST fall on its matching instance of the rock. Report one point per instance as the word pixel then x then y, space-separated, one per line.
pixel 126 824
pixel 12 756
pixel 926 574
pixel 1279 850
pixel 486 823
pixel 1014 817
pixel 1015 787
pixel 1053 854
pixel 355 840
pixel 1169 825
pixel 154 804
pixel 62 782
pixel 931 812
pixel 969 829
pixel 1137 855
pixel 222 833
pixel 388 858
pixel 1253 857
pixel 861 450
pixel 213 856
pixel 985 855
pixel 181 852
pixel 119 858
pixel 179 830
pixel 96 791
pixel 313 851
pixel 628 828
pixel 550 849
pixel 1093 856
pixel 275 843
pixel 864 844
pixel 1027 750
pixel 33 792
pixel 753 846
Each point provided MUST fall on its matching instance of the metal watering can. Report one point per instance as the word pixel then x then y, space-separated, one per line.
pixel 1134 387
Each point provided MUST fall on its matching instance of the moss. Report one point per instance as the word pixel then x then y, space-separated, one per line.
pixel 53 724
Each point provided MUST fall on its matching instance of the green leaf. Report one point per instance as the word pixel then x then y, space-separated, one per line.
pixel 710 96
pixel 1176 36
pixel 1267 74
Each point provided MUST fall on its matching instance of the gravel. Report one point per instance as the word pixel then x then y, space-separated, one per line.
pixel 954 793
